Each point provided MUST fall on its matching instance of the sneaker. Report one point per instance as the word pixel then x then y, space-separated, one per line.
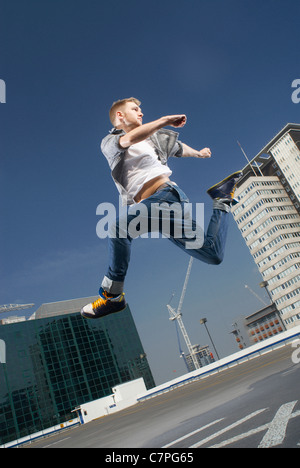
pixel 105 305
pixel 224 190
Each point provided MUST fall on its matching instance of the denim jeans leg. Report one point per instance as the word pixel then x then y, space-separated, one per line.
pixel 119 245
pixel 119 250
pixel 213 248
pixel 211 251
pixel 120 241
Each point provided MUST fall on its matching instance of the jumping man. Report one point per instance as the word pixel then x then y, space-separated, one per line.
pixel 137 155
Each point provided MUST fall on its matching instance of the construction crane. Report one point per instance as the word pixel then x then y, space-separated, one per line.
pixel 177 315
pixel 10 307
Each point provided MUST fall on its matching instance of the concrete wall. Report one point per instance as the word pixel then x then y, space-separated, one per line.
pixel 123 396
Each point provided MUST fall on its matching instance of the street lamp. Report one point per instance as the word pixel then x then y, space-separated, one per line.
pixel 264 284
pixel 203 322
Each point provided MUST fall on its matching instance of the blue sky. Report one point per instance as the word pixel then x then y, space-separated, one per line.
pixel 228 65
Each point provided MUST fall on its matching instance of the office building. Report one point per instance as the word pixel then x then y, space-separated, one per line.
pixel 257 327
pixel 57 361
pixel 268 217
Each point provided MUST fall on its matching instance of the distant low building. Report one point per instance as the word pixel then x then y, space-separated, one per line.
pixel 12 319
pixel 258 327
pixel 202 355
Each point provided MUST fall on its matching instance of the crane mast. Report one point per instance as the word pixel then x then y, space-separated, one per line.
pixel 177 315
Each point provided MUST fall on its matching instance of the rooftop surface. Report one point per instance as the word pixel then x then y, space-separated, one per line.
pixel 255 404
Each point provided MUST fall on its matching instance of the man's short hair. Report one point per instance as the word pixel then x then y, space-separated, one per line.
pixel 116 106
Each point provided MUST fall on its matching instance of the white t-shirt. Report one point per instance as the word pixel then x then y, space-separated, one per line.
pixel 140 165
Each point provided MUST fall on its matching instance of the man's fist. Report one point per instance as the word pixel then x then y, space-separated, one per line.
pixel 176 120
pixel 205 153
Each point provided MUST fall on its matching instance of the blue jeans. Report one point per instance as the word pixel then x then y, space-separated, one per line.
pixel 211 250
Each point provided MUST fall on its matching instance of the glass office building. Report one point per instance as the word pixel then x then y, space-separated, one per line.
pixel 58 360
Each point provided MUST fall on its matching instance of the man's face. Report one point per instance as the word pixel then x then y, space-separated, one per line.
pixel 132 115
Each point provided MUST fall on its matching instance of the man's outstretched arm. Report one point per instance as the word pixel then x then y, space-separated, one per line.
pixel 144 131
pixel 189 152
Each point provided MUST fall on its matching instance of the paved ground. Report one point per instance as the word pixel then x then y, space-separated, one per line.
pixel 255 404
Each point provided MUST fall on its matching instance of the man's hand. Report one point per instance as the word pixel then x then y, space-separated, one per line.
pixel 189 152
pixel 176 121
pixel 205 153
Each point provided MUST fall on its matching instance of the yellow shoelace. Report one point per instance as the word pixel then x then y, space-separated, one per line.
pixel 98 303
